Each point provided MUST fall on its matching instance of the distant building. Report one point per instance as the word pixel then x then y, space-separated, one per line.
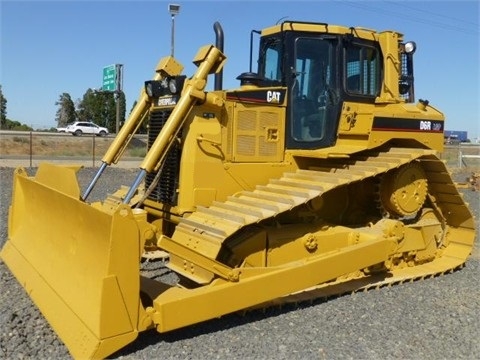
pixel 455 136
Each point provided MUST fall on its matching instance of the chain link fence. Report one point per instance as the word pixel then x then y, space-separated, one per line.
pixel 464 156
pixel 30 148
pixel 33 147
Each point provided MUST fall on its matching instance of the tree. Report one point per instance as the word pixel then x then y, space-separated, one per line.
pixel 133 106
pixel 3 110
pixel 100 107
pixel 7 124
pixel 144 127
pixel 123 107
pixel 87 106
pixel 66 111
pixel 110 112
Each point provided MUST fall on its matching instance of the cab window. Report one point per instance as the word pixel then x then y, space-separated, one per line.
pixel 362 70
pixel 271 60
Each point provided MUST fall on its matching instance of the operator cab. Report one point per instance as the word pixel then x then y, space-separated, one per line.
pixel 321 70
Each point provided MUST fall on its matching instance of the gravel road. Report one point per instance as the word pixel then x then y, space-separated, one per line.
pixel 432 319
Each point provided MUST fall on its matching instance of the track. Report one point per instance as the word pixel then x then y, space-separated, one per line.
pixel 213 225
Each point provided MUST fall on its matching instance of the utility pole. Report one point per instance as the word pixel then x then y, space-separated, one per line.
pixel 118 90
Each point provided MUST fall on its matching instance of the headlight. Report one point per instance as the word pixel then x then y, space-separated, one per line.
pixel 172 85
pixel 153 88
pixel 410 47
pixel 149 88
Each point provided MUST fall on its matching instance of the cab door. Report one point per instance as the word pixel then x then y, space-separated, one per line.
pixel 314 106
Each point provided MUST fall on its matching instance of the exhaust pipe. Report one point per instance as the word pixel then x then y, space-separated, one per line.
pixel 219 45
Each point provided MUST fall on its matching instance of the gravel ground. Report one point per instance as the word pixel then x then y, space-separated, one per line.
pixel 432 319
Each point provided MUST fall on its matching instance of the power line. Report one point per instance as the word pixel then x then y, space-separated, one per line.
pixel 409 17
pixel 429 12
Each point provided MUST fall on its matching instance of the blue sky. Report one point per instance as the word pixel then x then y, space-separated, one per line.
pixel 51 47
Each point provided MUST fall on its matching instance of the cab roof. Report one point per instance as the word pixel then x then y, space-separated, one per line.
pixel 324 28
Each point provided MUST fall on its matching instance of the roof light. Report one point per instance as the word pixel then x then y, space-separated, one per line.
pixel 410 47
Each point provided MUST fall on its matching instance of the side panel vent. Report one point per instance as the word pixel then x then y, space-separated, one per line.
pixel 258 135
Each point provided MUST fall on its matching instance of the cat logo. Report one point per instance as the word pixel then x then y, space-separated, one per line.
pixel 273 96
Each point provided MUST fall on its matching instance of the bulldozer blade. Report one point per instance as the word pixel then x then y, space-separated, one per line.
pixel 79 264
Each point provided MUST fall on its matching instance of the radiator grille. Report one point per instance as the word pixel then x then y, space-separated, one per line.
pixel 166 189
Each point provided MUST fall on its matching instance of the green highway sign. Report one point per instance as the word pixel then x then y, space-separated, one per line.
pixel 109 78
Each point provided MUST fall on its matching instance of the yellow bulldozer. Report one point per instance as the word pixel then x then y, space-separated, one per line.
pixel 318 175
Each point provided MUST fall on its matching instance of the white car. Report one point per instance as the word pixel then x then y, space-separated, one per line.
pixel 84 127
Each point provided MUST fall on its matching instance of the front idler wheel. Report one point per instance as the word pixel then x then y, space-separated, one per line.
pixel 403 191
